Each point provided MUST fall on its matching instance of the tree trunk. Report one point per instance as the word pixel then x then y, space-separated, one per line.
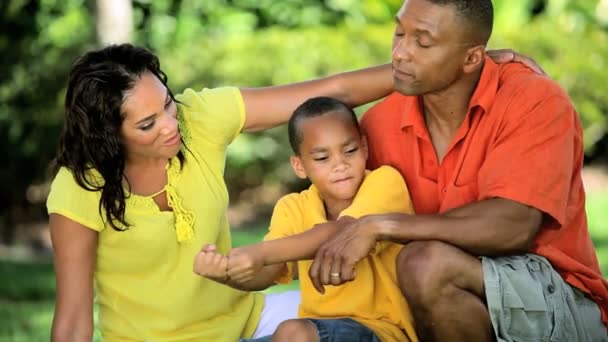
pixel 114 21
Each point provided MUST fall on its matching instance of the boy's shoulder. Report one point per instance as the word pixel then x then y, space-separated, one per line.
pixel 384 174
pixel 300 200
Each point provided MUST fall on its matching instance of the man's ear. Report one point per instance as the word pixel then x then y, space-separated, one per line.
pixel 298 167
pixel 474 59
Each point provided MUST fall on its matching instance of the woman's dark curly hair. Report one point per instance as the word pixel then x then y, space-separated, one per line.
pixel 91 139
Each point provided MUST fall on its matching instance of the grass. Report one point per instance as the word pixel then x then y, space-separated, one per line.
pixel 597 206
pixel 27 289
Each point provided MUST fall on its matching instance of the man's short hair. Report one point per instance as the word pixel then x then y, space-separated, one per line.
pixel 316 106
pixel 478 14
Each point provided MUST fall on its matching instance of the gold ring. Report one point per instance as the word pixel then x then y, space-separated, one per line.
pixel 334 274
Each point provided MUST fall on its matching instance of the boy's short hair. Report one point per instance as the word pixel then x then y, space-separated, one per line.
pixel 314 107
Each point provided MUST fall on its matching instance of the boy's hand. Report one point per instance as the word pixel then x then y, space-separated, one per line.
pixel 244 263
pixel 211 264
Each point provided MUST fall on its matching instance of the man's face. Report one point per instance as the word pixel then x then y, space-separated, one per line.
pixel 429 47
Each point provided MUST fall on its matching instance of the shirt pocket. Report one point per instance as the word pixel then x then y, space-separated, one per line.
pixel 458 195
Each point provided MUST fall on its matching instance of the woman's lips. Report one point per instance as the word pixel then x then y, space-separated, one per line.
pixel 173 140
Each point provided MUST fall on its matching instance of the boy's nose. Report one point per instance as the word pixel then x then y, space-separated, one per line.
pixel 341 165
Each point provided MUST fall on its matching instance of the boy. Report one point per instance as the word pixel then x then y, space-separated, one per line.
pixel 330 150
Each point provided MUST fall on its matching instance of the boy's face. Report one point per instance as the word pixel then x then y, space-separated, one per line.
pixel 332 155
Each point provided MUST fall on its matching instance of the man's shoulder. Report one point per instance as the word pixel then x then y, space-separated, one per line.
pixel 517 80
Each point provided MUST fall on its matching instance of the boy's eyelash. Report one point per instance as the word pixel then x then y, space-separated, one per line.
pixel 422 45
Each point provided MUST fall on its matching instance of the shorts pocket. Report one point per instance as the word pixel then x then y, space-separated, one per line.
pixel 530 314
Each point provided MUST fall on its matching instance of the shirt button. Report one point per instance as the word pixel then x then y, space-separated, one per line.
pixel 550 288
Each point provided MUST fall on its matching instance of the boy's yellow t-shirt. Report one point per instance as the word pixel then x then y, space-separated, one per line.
pixel 144 280
pixel 373 298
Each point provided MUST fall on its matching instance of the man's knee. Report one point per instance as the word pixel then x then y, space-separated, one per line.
pixel 420 258
pixel 295 330
pixel 424 267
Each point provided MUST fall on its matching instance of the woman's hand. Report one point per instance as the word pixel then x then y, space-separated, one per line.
pixel 508 55
pixel 211 264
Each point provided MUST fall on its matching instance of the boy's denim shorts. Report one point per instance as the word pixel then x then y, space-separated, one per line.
pixel 343 330
pixel 336 330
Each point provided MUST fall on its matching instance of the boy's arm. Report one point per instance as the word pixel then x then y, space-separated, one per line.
pixel 258 266
pixel 302 246
pixel 383 191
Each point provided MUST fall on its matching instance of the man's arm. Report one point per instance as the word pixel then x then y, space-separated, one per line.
pixel 490 227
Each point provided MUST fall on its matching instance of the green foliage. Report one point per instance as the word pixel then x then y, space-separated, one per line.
pixel 38 40
pixel 25 321
pixel 570 41
pixel 28 280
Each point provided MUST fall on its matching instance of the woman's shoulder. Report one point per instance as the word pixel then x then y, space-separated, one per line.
pixel 68 198
pixel 212 115
pixel 65 180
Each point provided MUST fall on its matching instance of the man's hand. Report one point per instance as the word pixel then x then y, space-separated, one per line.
pixel 244 263
pixel 211 264
pixel 335 261
pixel 508 55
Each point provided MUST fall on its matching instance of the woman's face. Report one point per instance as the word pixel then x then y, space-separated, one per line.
pixel 150 130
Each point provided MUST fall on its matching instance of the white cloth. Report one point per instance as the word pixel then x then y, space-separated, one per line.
pixel 278 307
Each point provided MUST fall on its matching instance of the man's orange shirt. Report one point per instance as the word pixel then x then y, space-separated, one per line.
pixel 520 140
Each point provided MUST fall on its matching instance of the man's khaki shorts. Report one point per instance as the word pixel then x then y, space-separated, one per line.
pixel 529 301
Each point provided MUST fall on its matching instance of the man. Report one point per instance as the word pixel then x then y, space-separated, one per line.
pixel 492 155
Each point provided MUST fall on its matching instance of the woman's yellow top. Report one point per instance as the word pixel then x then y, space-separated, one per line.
pixel 145 286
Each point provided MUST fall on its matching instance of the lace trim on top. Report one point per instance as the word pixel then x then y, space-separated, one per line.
pixel 184 130
pixel 184 219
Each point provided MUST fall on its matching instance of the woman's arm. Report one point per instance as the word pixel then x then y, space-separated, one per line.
pixel 271 106
pixel 75 248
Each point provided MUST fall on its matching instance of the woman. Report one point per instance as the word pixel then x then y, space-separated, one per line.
pixel 140 190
